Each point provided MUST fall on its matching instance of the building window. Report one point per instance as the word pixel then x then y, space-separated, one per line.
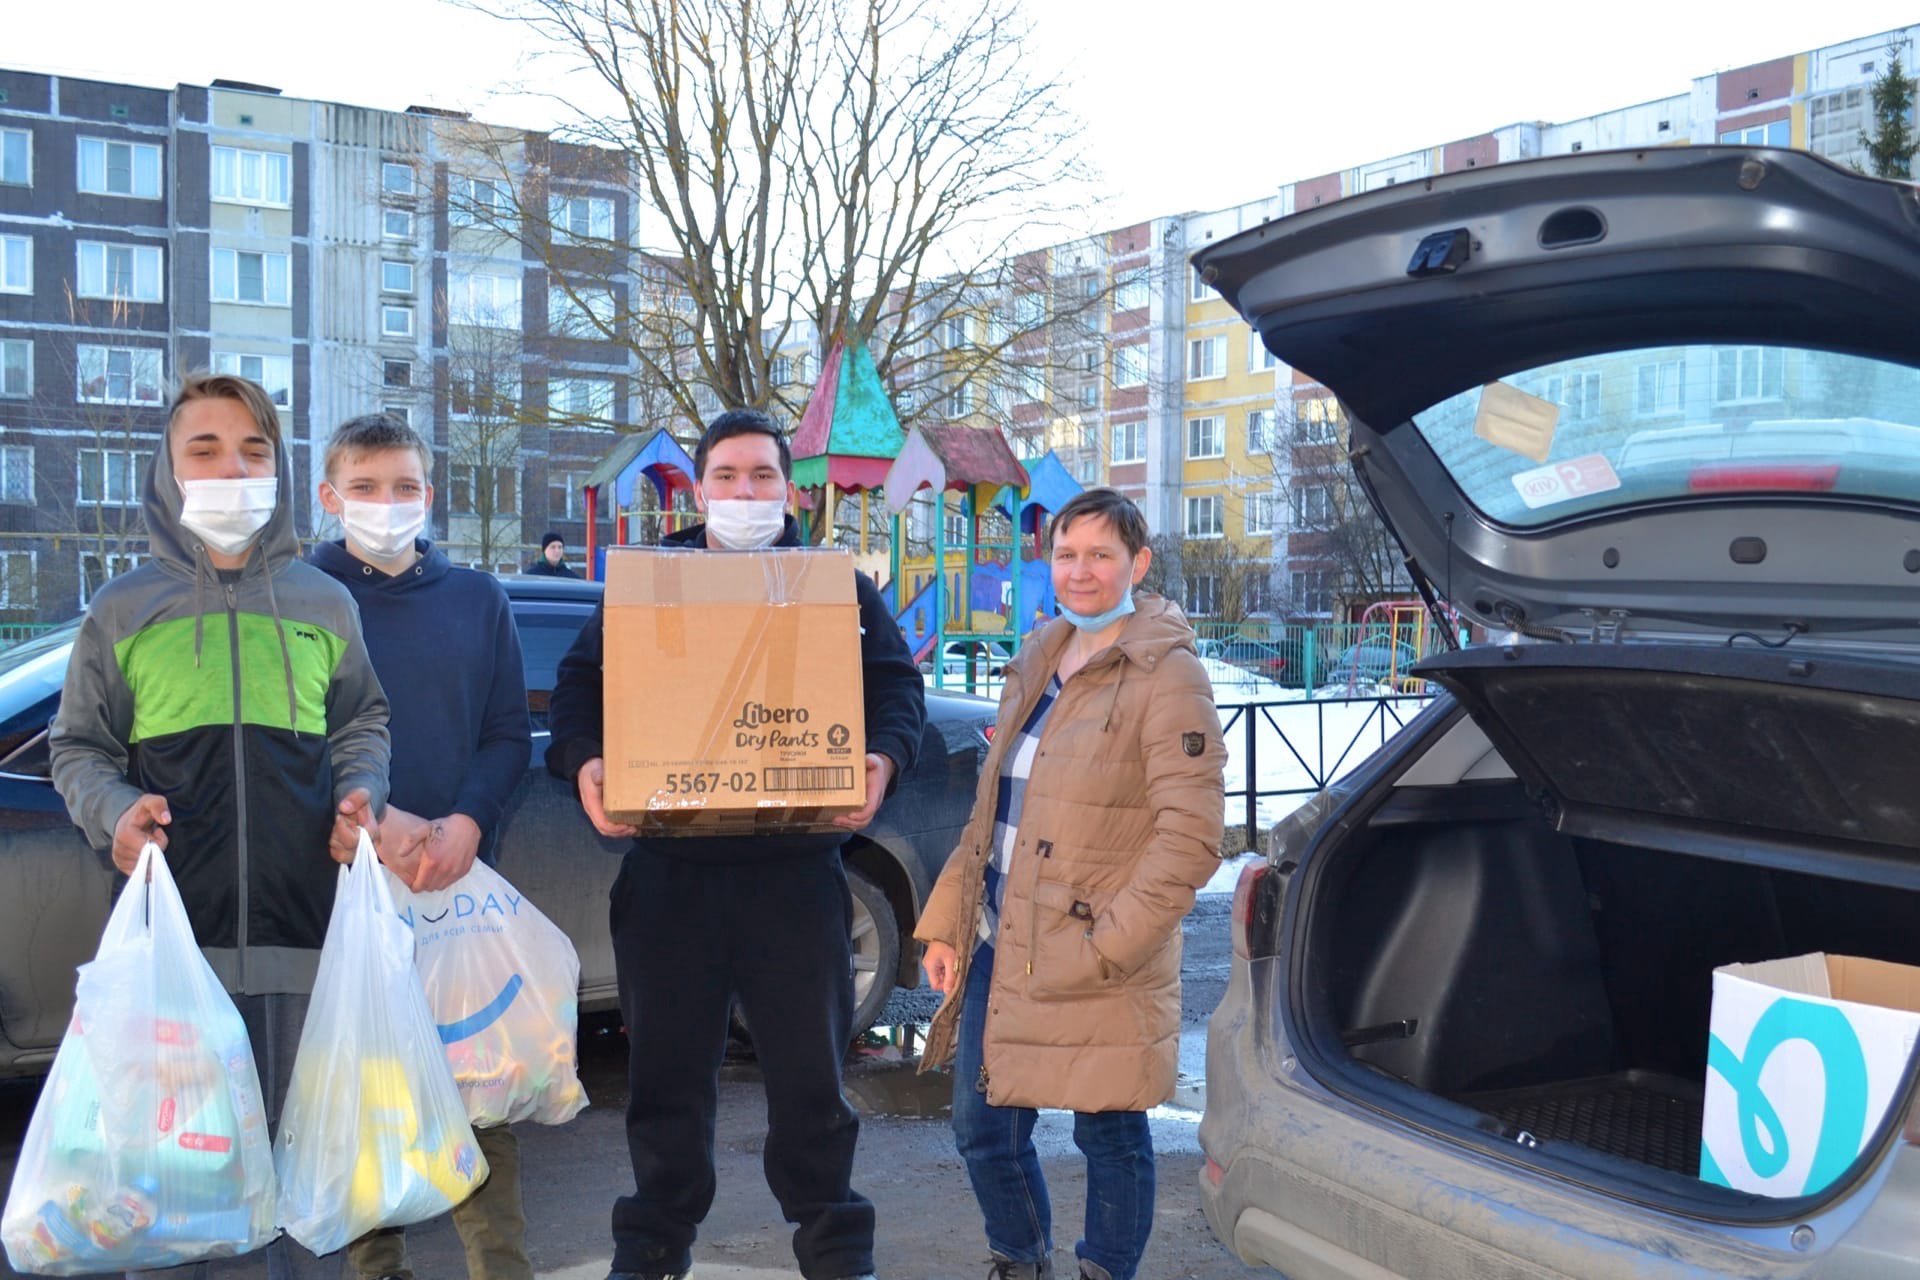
pixel 118 375
pixel 1259 359
pixel 1259 514
pixel 400 413
pixel 780 371
pixel 125 272
pixel 582 313
pixel 1577 394
pixel 1312 506
pixel 1256 594
pixel 396 179
pixel 16 473
pixel 956 332
pixel 480 202
pixel 396 373
pixel 396 277
pixel 1205 439
pixel 1742 374
pixel 1203 517
pixel 959 399
pixel 1090 396
pixel 16 264
pixel 396 322
pixel 252 177
pixel 119 169
pixel 485 395
pixel 97 567
pixel 577 218
pixel 482 490
pixel 17 580
pixel 1031 380
pixel 1203 595
pixel 107 477
pixel 1029 311
pixel 1206 358
pixel 1834 124
pixel 1777 134
pixel 1319 419
pixel 566 499
pixel 275 373
pixel 1260 437
pixel 262 279
pixel 1657 387
pixel 16 367
pixel 1312 591
pixel 574 399
pixel 483 300
pixel 1129 442
pixel 1130 365
pixel 16 157
pixel 396 224
pixel 1198 290
pixel 1132 291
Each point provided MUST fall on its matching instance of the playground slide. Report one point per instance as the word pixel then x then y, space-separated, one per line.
pixel 920 622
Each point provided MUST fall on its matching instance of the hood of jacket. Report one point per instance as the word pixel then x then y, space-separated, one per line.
pixel 431 567
pixel 178 549
pixel 1156 627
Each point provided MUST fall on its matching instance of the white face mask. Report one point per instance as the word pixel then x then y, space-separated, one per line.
pixel 743 524
pixel 228 514
pixel 384 530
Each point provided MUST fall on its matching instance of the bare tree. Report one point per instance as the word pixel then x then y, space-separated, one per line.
pixel 860 166
pixel 1329 518
pixel 486 417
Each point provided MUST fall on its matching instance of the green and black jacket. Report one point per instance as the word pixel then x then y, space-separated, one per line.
pixel 247 700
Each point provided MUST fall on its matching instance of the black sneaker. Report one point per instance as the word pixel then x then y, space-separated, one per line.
pixel 648 1275
pixel 1003 1269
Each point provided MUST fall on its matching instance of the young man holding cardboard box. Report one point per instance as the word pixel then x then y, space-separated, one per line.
pixel 761 916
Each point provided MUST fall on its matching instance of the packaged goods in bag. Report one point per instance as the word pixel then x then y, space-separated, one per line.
pixel 503 983
pixel 373 1132
pixel 148 1147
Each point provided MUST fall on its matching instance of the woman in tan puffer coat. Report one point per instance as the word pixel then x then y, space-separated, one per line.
pixel 1054 930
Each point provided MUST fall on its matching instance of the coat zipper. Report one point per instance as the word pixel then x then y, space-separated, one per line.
pixel 240 779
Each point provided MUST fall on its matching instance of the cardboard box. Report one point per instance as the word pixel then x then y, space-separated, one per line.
pixel 733 690
pixel 1803 1058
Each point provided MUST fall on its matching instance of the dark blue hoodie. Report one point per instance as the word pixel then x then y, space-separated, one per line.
pixel 444 645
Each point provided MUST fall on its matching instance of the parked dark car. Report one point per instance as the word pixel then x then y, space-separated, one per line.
pixel 55 891
pixel 1470 1028
pixel 1262 657
pixel 1364 667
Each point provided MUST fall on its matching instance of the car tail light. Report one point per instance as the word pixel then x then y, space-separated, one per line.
pixel 1253 911
pixel 986 731
pixel 1735 477
pixel 1214 1173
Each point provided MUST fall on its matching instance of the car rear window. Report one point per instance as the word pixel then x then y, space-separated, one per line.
pixel 1609 431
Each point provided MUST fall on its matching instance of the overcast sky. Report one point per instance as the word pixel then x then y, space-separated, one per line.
pixel 1188 105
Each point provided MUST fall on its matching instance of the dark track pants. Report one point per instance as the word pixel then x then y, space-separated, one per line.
pixel 689 938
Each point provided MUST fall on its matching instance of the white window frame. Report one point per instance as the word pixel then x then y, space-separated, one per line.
pixel 149 252
pixel 112 565
pixel 469 474
pixel 1769 366
pixel 1262 425
pixel 389 313
pixel 1756 135
pixel 255 190
pixel 1129 442
pixel 16 460
pixel 1133 291
pixel 1577 394
pixel 386 368
pixel 499 396
pixel 573 503
pixel 1312 505
pixel 16 252
pixel 24 138
pixel 1259 359
pixel 29 560
pixel 1319 584
pixel 272 372
pixel 464 203
pixel 1203 595
pixel 130 476
pixel 1199 290
pixel 403 414
pixel 1130 365
pixel 276 276
pixel 388 230
pixel 1214 526
pixel 387 285
pixel 600 395
pixel 1660 369
pixel 1210 432
pixel 135 152
pixel 1260 514
pixel 599 218
pixel 397 178
pixel 1319 417
pixel 464 303
pixel 25 345
pixel 153 375
pixel 1207 358
pixel 582 313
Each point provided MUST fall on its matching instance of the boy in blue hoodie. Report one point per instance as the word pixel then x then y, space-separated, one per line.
pixel 444 643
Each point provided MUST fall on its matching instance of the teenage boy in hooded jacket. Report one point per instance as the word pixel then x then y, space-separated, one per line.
pixel 220 703
pixel 445 639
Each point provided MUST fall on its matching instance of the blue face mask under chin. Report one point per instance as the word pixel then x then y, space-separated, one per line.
pixel 1100 621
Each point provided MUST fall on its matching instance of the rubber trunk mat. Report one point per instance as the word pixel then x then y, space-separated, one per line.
pixel 1638 1115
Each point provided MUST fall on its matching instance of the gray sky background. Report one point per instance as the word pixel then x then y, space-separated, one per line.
pixel 1187 105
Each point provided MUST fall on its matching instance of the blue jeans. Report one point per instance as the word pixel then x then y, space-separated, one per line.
pixel 997 1144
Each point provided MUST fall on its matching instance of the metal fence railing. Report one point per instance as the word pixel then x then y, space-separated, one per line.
pixel 1324 659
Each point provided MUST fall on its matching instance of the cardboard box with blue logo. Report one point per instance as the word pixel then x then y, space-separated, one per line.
pixel 1804 1056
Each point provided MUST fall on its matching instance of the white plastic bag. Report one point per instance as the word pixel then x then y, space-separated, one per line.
pixel 503 983
pixel 373 1132
pixel 148 1147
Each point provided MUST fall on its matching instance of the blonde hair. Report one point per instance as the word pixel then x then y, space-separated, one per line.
pixel 375 433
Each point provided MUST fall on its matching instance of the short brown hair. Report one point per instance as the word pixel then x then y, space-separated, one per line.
pixel 228 386
pixel 1108 504
pixel 375 433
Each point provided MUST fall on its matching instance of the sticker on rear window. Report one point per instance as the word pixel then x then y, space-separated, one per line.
pixel 1564 481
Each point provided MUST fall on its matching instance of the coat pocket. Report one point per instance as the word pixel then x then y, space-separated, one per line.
pixel 1064 960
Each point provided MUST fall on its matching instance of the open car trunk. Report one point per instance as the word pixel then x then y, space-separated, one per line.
pixel 1524 928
